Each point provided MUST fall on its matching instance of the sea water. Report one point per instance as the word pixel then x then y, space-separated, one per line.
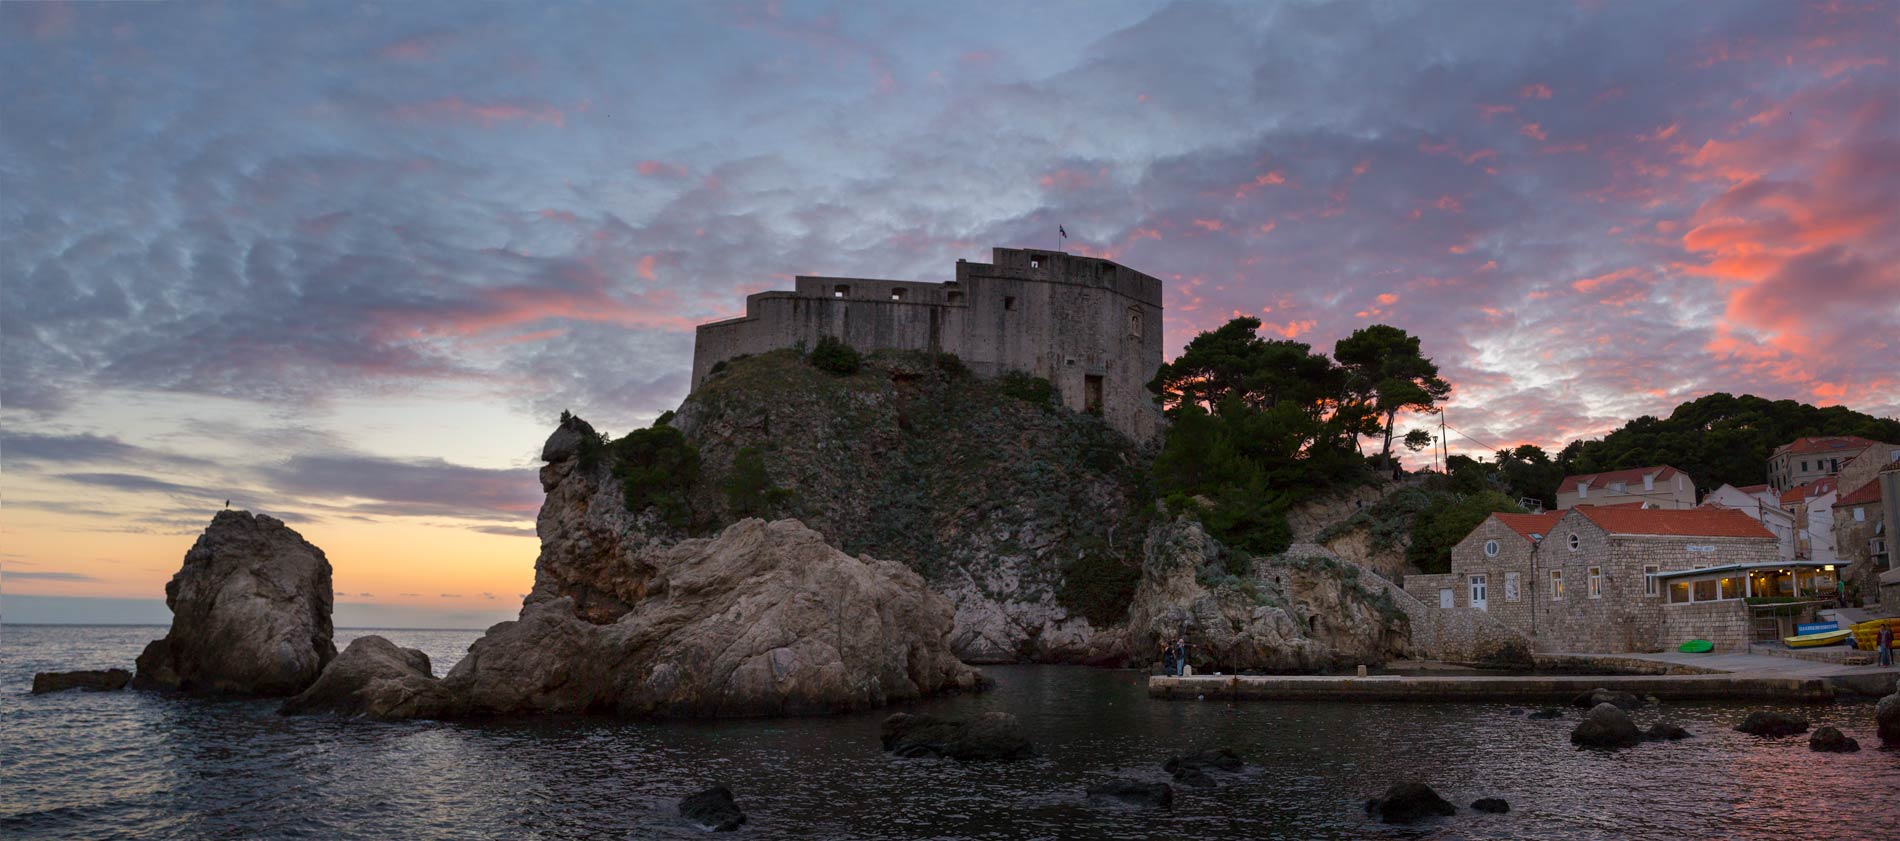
pixel 145 765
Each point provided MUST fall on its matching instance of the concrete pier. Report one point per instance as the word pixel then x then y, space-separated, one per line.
pixel 1695 677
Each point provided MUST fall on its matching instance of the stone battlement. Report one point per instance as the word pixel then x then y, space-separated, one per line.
pixel 1089 326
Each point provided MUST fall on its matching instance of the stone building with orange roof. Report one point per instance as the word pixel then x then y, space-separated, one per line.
pixel 1660 486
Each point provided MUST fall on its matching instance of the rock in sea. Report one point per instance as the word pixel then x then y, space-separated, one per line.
pixel 375 678
pixel 1665 732
pixel 250 613
pixel 989 736
pixel 1408 802
pixel 713 809
pixel 1832 740
pixel 92 681
pixel 1763 723
pixel 764 619
pixel 1128 793
pixel 1493 805
pixel 1623 700
pixel 1606 726
pixel 1547 714
pixel 1887 719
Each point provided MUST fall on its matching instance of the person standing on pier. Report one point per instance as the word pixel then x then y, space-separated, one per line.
pixel 1883 644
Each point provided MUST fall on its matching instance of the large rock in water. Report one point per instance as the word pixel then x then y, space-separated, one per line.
pixel 1408 802
pixel 109 680
pixel 1887 719
pixel 1606 726
pixel 375 678
pixel 1772 724
pixel 765 619
pixel 250 613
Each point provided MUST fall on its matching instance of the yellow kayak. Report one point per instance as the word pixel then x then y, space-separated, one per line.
pixel 1812 640
pixel 1865 633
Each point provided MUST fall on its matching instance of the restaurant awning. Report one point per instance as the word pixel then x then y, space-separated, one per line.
pixel 1678 573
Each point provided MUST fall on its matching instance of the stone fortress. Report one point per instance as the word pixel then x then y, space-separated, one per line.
pixel 1089 326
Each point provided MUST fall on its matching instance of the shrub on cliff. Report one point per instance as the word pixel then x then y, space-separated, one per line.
pixel 749 490
pixel 834 356
pixel 1026 387
pixel 1446 521
pixel 1099 582
pixel 657 468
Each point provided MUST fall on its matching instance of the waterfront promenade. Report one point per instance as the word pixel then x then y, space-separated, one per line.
pixel 1561 677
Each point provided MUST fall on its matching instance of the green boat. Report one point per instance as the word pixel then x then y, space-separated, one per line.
pixel 1697 647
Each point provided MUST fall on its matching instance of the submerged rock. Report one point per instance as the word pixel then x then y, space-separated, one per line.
pixel 764 619
pixel 1772 724
pixel 1193 777
pixel 1408 802
pixel 1623 700
pixel 1493 805
pixel 108 680
pixel 1143 795
pixel 1665 732
pixel 990 736
pixel 1887 719
pixel 1547 714
pixel 375 678
pixel 250 613
pixel 1220 759
pixel 1606 726
pixel 712 809
pixel 1832 740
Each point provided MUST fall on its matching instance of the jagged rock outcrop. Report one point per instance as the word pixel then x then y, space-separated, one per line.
pixel 250 613
pixel 108 680
pixel 1290 612
pixel 764 619
pixel 375 678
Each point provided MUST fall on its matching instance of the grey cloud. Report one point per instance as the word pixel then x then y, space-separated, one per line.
pixel 51 576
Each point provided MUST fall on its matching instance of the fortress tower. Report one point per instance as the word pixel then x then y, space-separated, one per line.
pixel 1091 327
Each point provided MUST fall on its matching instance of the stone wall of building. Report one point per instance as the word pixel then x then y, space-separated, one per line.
pixel 1723 623
pixel 1455 635
pixel 1507 575
pixel 1091 327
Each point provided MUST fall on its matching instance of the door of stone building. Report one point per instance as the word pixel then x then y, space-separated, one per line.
pixel 1478 587
pixel 1092 393
pixel 1445 598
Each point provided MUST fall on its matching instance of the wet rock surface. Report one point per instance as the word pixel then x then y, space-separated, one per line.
pixel 1409 802
pixel 1492 805
pixel 1140 795
pixel 1772 724
pixel 713 810
pixel 1665 732
pixel 1546 714
pixel 250 613
pixel 1606 726
pixel 100 680
pixel 375 678
pixel 990 736
pixel 1832 740
pixel 1887 720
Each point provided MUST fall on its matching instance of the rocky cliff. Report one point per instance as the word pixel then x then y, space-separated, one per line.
pixel 250 613
pixel 1027 516
pixel 1032 520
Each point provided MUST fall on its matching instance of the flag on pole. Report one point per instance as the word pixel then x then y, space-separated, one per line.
pixel 1065 234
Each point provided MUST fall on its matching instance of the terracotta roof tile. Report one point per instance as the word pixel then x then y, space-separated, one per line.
pixel 1752 489
pixel 1529 526
pixel 1809 490
pixel 1862 495
pixel 1823 444
pixel 1633 476
pixel 1693 522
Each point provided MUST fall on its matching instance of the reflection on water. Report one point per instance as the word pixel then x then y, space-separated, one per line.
pixel 135 765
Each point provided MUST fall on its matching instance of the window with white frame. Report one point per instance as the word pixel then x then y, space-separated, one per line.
pixel 1510 587
pixel 1575 541
pixel 1556 585
pixel 1860 514
pixel 1490 548
pixel 1649 579
pixel 1596 582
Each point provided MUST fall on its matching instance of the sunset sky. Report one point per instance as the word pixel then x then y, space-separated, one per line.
pixel 346 265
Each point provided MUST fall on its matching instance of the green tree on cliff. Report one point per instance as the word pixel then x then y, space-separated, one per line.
pixel 1386 374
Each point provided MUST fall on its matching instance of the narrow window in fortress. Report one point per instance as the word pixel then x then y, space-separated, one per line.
pixel 1009 303
pixel 840 291
pixel 1092 393
pixel 897 294
pixel 956 297
pixel 1134 322
pixel 1035 262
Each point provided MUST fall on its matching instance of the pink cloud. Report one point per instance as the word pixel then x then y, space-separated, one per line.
pixel 1534 91
pixel 485 114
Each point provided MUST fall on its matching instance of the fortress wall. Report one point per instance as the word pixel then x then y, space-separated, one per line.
pixel 1066 320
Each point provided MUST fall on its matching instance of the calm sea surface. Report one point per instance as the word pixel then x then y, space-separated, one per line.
pixel 139 765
